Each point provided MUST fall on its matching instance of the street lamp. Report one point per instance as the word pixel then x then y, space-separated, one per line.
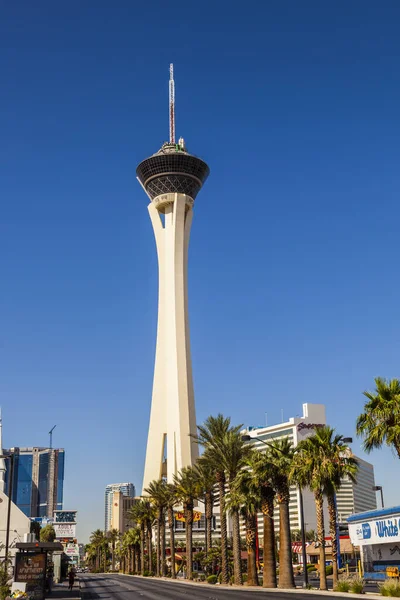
pixel 379 488
pixel 248 438
pixel 10 456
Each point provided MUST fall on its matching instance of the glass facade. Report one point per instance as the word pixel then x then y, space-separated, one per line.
pixel 31 480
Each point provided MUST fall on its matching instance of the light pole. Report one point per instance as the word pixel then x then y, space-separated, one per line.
pixel 345 440
pixel 11 456
pixel 379 488
pixel 248 438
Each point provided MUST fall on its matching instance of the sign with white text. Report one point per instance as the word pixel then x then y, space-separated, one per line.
pixel 376 531
pixel 64 530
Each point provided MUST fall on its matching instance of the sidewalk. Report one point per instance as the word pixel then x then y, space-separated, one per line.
pixel 61 591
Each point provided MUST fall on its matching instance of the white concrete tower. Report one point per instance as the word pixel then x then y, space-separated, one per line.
pixel 172 178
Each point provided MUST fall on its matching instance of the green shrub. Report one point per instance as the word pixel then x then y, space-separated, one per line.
pixel 357 586
pixel 311 568
pixel 212 579
pixel 195 575
pixel 342 585
pixel 390 588
pixel 244 577
pixel 329 570
pixel 146 574
pixel 202 577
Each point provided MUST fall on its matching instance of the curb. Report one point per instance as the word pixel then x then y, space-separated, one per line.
pixel 259 589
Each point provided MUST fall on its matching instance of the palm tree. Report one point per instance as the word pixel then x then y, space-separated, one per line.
pixel 206 477
pixel 187 490
pixel 142 513
pixel 380 422
pixel 309 470
pixel 225 453
pixel 97 539
pixel 113 536
pixel 281 453
pixel 338 463
pixel 170 503
pixel 132 540
pixel 157 493
pixel 262 469
pixel 244 498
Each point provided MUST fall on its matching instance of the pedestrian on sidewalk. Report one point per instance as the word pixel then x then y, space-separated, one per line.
pixel 71 579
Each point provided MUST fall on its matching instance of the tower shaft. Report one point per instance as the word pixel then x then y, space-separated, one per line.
pixel 172 417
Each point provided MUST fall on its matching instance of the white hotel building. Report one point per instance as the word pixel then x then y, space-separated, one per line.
pixel 351 498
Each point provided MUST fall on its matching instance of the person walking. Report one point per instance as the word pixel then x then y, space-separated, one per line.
pixel 71 579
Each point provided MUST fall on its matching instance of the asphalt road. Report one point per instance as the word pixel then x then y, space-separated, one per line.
pixel 118 587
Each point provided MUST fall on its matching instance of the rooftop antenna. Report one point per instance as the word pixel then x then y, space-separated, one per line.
pixel 171 105
pixel 51 436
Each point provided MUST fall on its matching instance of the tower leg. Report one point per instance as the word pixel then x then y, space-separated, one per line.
pixel 172 410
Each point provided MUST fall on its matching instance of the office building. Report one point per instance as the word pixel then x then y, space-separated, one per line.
pixel 38 480
pixel 171 179
pixel 359 496
pixel 120 507
pixel 126 489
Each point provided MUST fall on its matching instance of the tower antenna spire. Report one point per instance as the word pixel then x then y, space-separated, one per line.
pixel 171 105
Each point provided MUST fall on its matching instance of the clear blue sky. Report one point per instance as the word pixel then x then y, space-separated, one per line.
pixel 295 248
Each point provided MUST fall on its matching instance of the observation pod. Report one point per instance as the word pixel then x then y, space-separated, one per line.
pixel 172 170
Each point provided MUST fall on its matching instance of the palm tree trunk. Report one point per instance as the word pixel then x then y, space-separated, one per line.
pixel 149 548
pixel 224 532
pixel 208 509
pixel 237 561
pixel 136 559
pixel 162 549
pixel 172 540
pixel 113 557
pixel 319 505
pixel 188 510
pixel 142 543
pixel 333 532
pixel 158 546
pixel 251 533
pixel 269 570
pixel 286 579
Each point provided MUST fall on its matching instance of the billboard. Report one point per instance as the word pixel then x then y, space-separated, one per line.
pixel 72 550
pixel 375 531
pixel 65 516
pixel 65 530
pixel 30 567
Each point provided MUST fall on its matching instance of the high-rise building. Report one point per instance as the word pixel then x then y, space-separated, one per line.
pixel 38 480
pixel 126 489
pixel 171 179
pixel 120 507
pixel 358 496
pixel 351 497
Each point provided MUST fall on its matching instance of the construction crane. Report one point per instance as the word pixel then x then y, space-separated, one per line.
pixel 171 105
pixel 51 436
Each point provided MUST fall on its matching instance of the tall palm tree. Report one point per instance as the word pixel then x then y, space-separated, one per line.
pixel 113 536
pixel 226 453
pixel 157 493
pixel 187 490
pixel 97 540
pixel 244 497
pixel 379 424
pixel 170 502
pixel 142 513
pixel 309 470
pixel 206 477
pixel 132 540
pixel 263 474
pixel 338 463
pixel 281 453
